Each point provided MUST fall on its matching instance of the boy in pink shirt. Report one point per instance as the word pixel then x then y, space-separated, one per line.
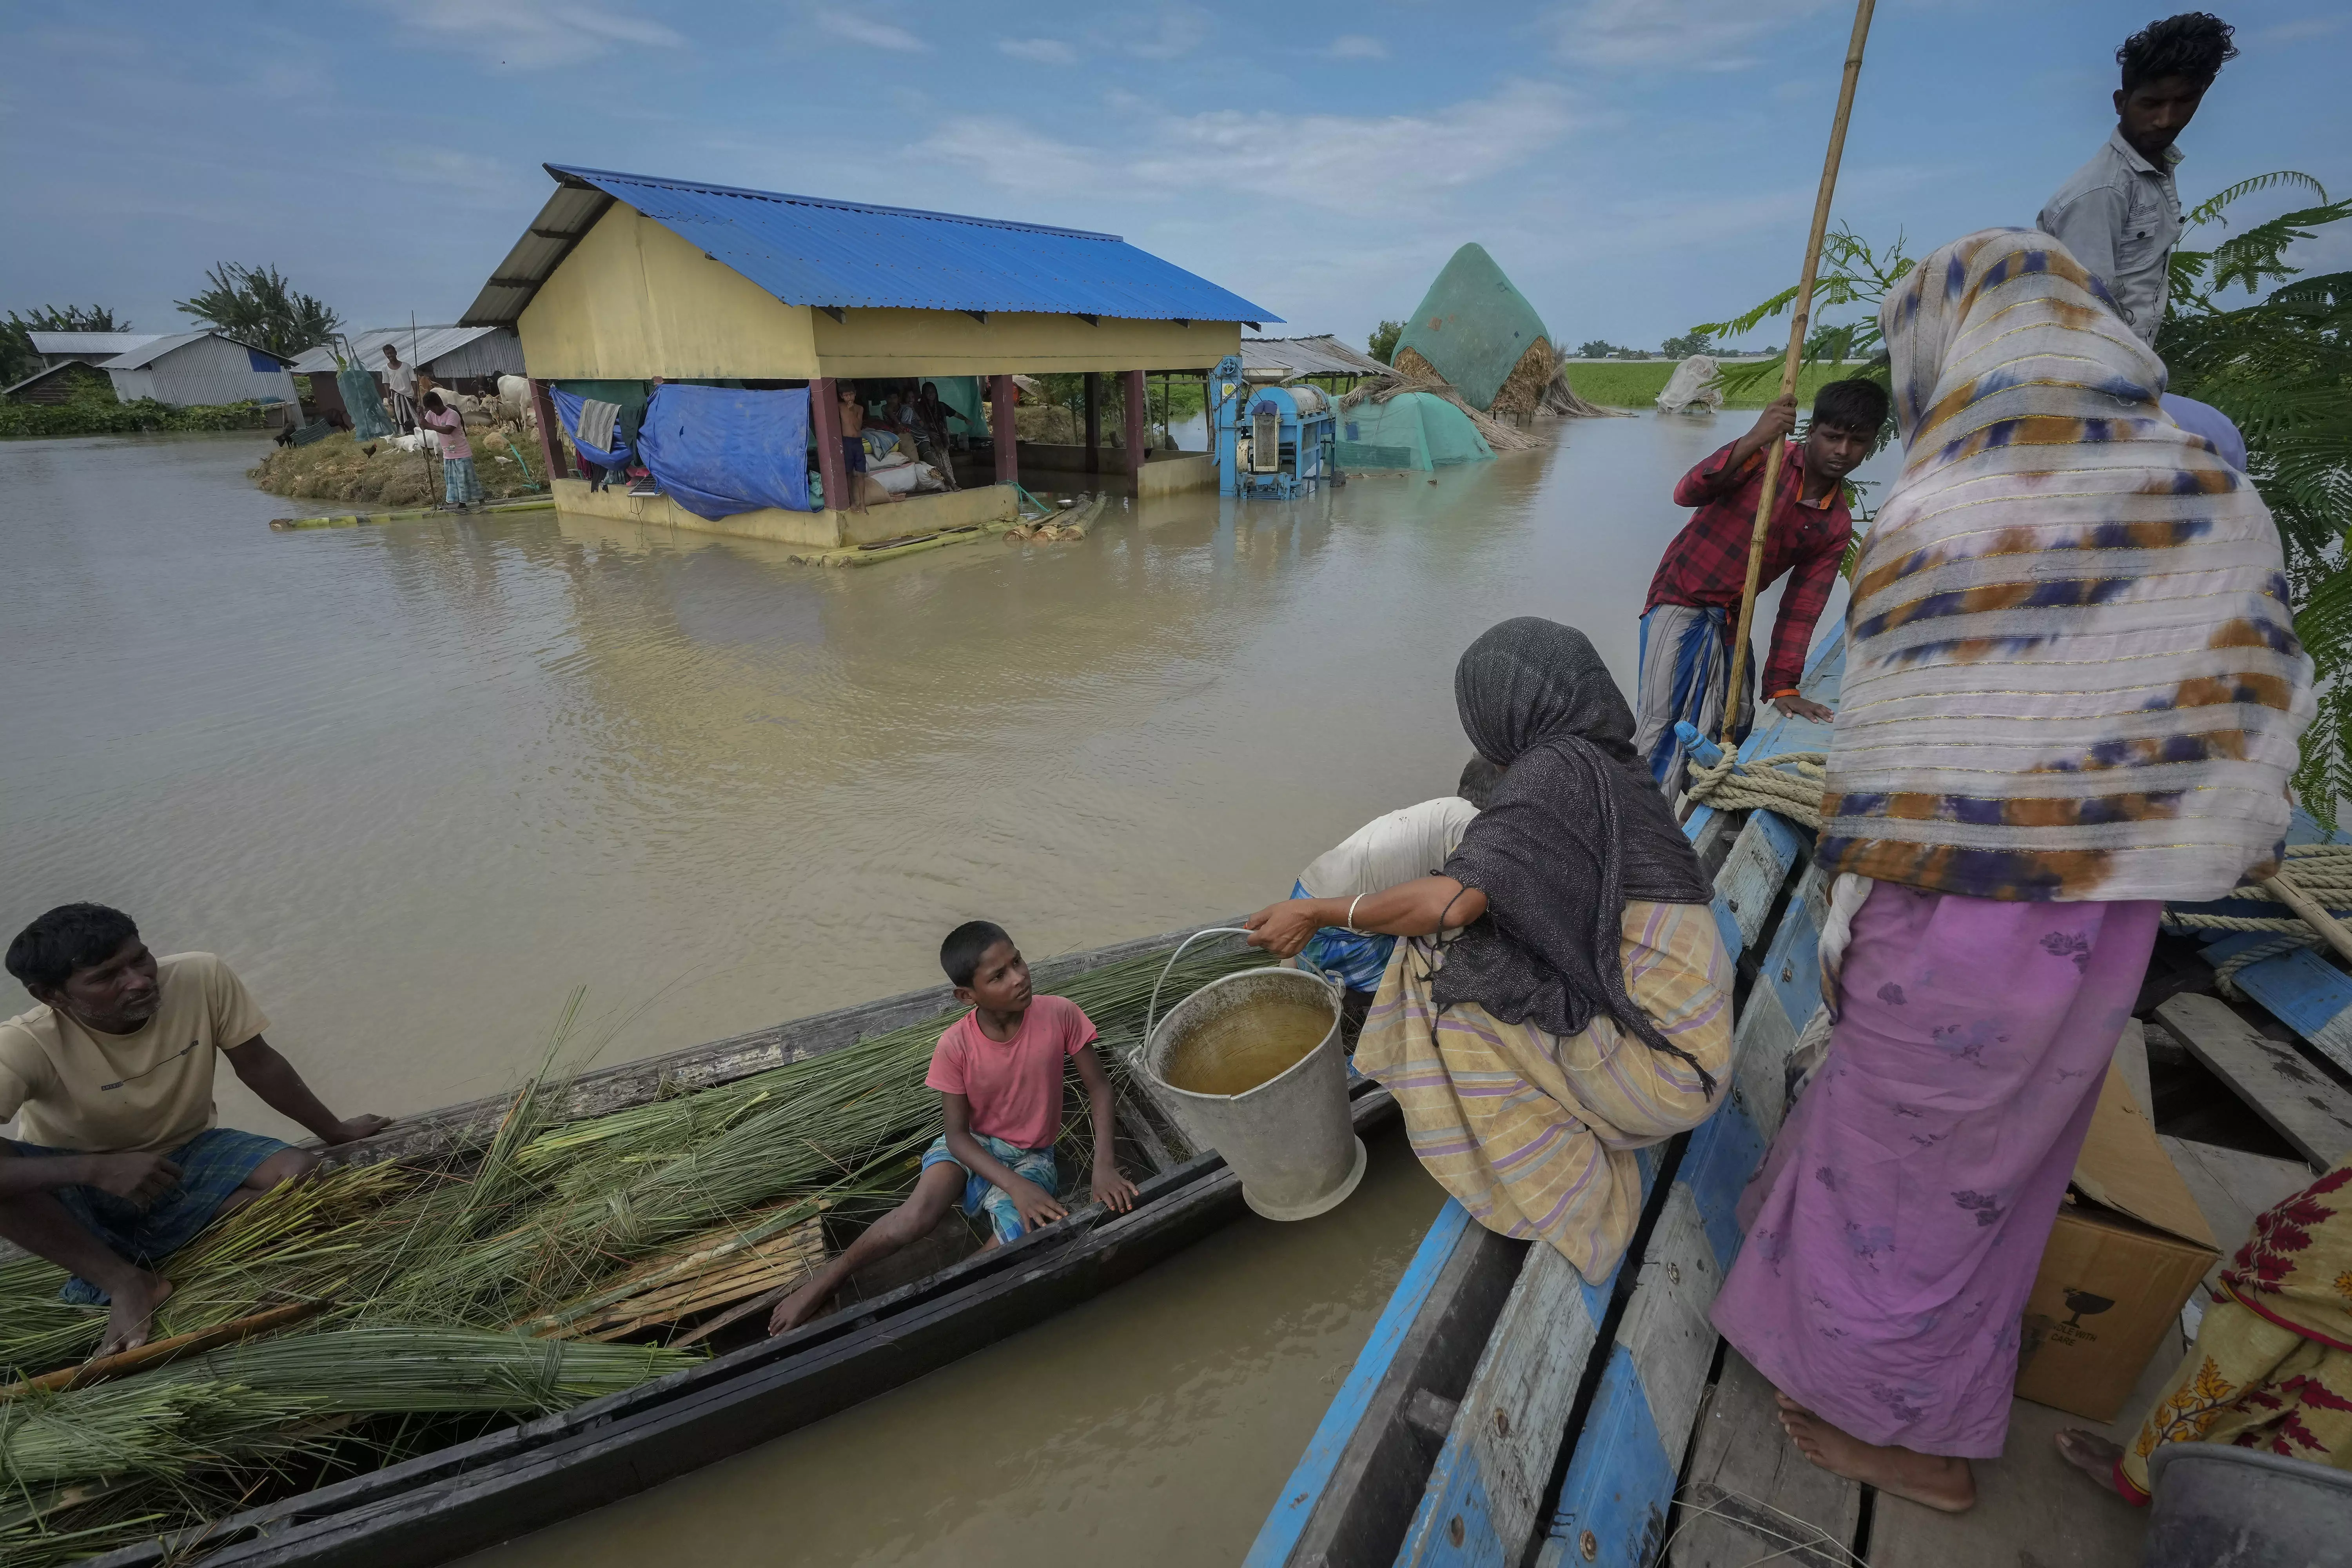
pixel 998 1069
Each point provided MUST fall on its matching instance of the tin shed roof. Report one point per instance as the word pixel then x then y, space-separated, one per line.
pixel 92 347
pixel 1320 355
pixel 806 251
pixel 414 345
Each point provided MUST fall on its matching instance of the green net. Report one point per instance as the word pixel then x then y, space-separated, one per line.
pixel 1410 430
pixel 1473 327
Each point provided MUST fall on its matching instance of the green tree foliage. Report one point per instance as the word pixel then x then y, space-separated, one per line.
pixel 2280 365
pixel 259 306
pixel 1381 344
pixel 1597 348
pixel 17 359
pixel 1697 341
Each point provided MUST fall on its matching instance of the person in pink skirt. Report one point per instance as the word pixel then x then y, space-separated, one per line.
pixel 2073 691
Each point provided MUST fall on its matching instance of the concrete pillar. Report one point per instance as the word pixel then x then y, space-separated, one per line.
pixel 824 419
pixel 551 445
pixel 1138 433
pixel 1003 395
pixel 1093 437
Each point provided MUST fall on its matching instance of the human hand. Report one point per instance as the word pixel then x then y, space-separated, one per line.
pixel 1795 706
pixel 1284 928
pixel 141 1178
pixel 1113 1190
pixel 357 1128
pixel 1777 423
pixel 1034 1203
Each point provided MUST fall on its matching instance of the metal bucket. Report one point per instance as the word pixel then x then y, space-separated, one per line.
pixel 2222 1507
pixel 1291 1139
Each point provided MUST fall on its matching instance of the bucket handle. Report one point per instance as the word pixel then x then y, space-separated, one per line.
pixel 1149 1012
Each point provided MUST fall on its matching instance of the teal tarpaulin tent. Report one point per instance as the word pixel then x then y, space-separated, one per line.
pixel 1473 329
pixel 1410 430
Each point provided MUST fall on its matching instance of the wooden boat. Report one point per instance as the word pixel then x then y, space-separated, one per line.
pixel 460 1499
pixel 1505 1411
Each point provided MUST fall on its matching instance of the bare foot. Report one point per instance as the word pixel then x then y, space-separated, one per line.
pixel 1934 1480
pixel 133 1312
pixel 799 1306
pixel 2090 1454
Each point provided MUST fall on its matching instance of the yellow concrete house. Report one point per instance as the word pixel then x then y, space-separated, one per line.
pixel 622 280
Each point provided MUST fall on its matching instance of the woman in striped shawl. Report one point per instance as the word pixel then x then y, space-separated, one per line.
pixel 2073 691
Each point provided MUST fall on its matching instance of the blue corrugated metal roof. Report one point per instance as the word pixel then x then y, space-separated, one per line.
pixel 851 255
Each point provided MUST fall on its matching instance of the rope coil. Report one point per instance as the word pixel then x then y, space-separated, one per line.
pixel 1790 784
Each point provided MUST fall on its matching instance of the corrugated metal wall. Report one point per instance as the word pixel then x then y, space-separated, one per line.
pixel 206 371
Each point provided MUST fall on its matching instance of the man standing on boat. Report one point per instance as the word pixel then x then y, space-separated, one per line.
pixel 117 1163
pixel 1693 612
pixel 2120 213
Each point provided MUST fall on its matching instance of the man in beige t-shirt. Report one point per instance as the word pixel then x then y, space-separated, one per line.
pixel 117 1163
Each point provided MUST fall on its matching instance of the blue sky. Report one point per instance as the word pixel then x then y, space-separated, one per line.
pixel 1635 166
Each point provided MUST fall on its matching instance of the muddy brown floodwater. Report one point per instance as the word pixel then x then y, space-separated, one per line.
pixel 418 782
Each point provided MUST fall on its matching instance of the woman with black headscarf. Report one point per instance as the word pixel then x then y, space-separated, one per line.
pixel 1583 1010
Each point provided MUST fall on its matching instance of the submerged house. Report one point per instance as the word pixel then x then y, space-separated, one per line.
pixel 622 279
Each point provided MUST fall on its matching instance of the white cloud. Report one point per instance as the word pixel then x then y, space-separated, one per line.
pixel 1360 165
pixel 1040 51
pixel 2300 28
pixel 852 28
pixel 533 34
pixel 1355 47
pixel 1688 34
pixel 1181 29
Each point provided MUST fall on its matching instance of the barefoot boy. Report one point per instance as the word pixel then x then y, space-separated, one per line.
pixel 998 1069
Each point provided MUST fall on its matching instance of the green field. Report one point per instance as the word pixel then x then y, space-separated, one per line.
pixel 1637 383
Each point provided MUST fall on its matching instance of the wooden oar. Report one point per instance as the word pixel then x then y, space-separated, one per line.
pixel 124 1362
pixel 1799 321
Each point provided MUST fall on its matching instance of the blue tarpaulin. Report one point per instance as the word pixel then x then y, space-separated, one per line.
pixel 567 409
pixel 716 451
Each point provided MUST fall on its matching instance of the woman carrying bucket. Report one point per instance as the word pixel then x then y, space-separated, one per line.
pixel 1564 998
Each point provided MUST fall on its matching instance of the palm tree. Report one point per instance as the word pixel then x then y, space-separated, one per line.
pixel 257 305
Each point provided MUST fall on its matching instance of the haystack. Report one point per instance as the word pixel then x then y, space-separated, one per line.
pixel 1478 334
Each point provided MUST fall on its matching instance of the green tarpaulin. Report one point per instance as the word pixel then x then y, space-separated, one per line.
pixel 1473 327
pixel 1410 430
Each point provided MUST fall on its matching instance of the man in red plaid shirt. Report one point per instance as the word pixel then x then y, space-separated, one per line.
pixel 1693 612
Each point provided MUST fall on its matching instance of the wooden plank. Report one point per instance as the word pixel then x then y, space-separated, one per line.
pixel 435 1134
pixel 2131 1060
pixel 2301 1103
pixel 2034 1510
pixel 1352 1495
pixel 1488 1488
pixel 1752 876
pixel 471 1495
pixel 2308 995
pixel 1750 1493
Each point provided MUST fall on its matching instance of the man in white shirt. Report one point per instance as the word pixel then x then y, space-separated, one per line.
pixel 2120 213
pixel 401 381
pixel 1398 848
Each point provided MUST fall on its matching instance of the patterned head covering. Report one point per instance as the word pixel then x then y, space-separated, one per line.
pixel 2072 671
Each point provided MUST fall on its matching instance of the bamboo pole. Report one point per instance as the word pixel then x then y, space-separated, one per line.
pixel 2315 913
pixel 1799 319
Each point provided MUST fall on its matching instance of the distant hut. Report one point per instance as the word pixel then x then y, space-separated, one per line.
pixel 1478 334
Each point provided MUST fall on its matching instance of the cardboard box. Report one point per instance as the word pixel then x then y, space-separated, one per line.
pixel 2128 1247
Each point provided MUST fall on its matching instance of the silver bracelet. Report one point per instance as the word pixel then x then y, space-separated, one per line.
pixel 1350 923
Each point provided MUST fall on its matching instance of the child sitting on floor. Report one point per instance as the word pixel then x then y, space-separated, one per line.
pixel 998 1069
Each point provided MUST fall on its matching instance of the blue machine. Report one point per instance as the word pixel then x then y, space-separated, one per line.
pixel 1272 441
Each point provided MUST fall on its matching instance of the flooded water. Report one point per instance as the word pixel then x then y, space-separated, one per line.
pixel 418 782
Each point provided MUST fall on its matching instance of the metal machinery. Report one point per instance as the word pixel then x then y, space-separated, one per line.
pixel 1272 440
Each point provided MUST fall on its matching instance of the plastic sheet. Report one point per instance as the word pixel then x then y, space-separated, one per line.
pixel 567 410
pixel 363 401
pixel 717 451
